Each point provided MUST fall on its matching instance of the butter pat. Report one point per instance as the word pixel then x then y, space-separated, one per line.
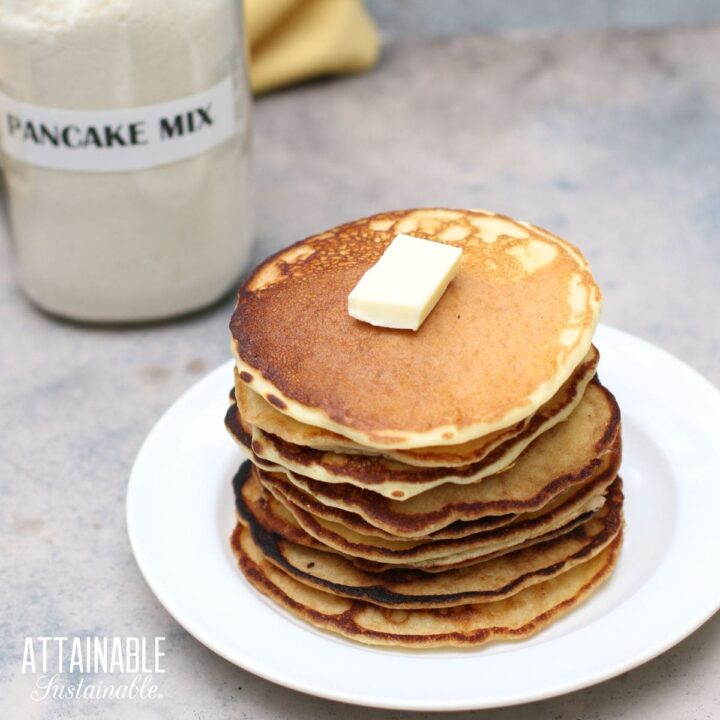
pixel 401 289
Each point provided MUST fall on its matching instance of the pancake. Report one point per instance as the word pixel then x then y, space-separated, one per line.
pixel 571 498
pixel 273 516
pixel 512 326
pixel 482 582
pixel 571 490
pixel 417 553
pixel 239 430
pixel 436 553
pixel 242 433
pixel 443 565
pixel 391 478
pixel 565 456
pixel 513 618
pixel 261 415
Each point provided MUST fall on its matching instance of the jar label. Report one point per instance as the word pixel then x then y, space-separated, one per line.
pixel 117 140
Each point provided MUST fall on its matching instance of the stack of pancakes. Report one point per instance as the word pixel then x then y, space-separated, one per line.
pixel 448 486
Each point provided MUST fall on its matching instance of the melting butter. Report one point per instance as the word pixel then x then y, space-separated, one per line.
pixel 402 288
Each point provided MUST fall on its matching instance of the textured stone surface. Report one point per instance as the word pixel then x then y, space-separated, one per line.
pixel 610 139
pixel 449 17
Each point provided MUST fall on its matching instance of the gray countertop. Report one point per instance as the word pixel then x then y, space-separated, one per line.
pixel 608 138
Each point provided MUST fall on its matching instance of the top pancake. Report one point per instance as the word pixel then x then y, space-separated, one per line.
pixel 254 411
pixel 511 327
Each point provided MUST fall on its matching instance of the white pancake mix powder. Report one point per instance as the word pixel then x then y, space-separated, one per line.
pixel 124 138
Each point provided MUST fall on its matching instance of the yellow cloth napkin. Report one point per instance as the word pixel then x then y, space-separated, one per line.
pixel 294 40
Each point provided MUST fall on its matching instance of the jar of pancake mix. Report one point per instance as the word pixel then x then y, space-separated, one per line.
pixel 124 140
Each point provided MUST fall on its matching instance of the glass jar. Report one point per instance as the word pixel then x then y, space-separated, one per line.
pixel 125 150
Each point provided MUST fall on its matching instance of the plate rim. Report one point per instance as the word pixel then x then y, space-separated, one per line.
pixel 317 689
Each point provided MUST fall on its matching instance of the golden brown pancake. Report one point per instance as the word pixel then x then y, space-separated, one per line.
pixel 462 561
pixel 575 496
pixel 481 582
pixel 387 477
pixel 259 414
pixel 275 517
pixel 437 553
pixel 391 478
pixel 510 329
pixel 513 618
pixel 565 456
pixel 417 553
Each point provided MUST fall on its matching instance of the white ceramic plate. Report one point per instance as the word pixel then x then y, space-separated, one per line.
pixel 180 514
